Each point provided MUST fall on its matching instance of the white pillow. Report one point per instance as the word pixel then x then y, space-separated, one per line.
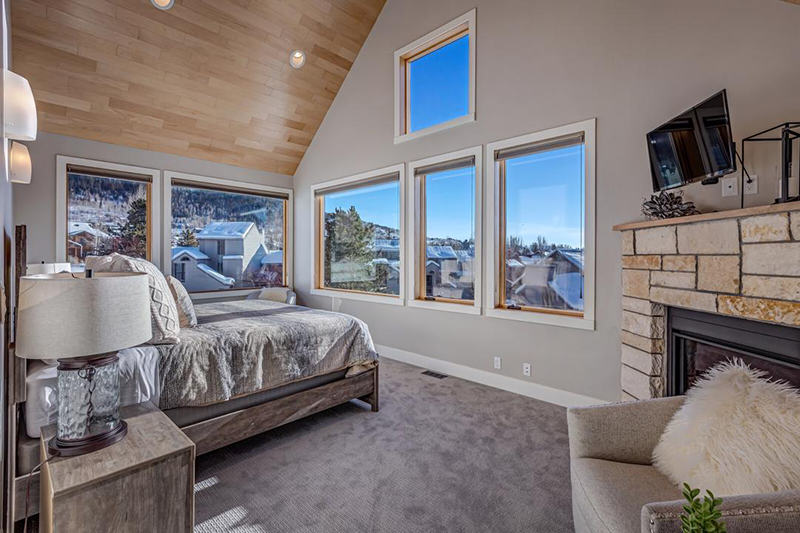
pixel 737 433
pixel 275 294
pixel 163 311
pixel 186 315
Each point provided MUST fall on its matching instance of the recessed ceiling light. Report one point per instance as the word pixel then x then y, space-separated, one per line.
pixel 163 4
pixel 297 59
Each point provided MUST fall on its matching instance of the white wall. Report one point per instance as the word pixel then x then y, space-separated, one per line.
pixel 633 64
pixel 35 204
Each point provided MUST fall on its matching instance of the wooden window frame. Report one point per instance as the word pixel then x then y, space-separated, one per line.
pixel 416 235
pixel 495 227
pixel 227 185
pixel 153 177
pixel 455 29
pixel 317 238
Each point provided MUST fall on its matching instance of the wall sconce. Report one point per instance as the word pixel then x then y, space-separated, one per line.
pixel 19 108
pixel 20 163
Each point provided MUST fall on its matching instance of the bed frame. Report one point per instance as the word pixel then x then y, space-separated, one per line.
pixel 208 435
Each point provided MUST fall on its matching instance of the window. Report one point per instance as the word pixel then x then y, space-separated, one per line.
pixel 446 232
pixel 434 77
pixel 226 235
pixel 358 244
pixel 543 191
pixel 105 208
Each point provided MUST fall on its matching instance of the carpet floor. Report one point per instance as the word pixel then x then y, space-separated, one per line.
pixel 440 456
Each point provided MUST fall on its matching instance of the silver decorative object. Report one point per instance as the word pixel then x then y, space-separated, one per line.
pixel 667 205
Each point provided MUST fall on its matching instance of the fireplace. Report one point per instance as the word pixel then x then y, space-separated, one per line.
pixel 696 341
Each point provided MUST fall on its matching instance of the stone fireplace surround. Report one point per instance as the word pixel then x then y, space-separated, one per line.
pixel 743 263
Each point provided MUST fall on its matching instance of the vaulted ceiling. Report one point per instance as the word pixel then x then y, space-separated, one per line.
pixel 208 79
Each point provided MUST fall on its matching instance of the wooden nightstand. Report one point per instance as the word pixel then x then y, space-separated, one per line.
pixel 143 483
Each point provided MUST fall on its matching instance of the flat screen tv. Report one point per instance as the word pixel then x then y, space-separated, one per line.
pixel 693 146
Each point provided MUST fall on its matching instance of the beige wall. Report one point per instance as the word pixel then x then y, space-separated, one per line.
pixel 35 204
pixel 633 64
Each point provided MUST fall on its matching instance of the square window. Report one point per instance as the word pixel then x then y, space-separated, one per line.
pixel 358 250
pixel 438 84
pixel 107 212
pixel 435 80
pixel 225 238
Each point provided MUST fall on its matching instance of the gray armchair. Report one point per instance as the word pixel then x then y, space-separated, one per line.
pixel 615 489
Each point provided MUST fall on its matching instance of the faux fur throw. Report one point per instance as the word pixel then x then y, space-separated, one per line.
pixel 737 433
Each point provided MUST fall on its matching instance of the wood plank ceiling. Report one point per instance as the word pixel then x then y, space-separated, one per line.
pixel 208 79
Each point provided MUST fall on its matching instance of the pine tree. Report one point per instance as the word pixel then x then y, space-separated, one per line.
pixel 347 239
pixel 188 238
pixel 131 238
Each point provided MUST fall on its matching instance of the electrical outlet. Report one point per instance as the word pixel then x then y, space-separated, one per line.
pixel 730 187
pixel 498 363
pixel 526 370
pixel 752 186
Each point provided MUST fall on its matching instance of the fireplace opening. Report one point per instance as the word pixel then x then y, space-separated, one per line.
pixel 697 341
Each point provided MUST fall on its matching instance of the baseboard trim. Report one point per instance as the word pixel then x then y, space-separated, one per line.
pixel 532 390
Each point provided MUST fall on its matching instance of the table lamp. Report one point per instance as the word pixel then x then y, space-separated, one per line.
pixel 83 320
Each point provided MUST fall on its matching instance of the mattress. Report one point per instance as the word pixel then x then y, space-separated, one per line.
pixel 138 382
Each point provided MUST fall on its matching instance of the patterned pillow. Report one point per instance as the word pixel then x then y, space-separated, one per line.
pixel 163 311
pixel 186 314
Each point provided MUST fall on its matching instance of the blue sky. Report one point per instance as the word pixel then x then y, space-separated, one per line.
pixel 450 201
pixel 379 204
pixel 439 85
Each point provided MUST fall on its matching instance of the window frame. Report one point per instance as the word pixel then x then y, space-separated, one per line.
pixel 463 25
pixel 416 216
pixel 62 209
pixel 317 238
pixel 208 181
pixel 495 226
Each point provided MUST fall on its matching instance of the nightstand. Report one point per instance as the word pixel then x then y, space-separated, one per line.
pixel 143 483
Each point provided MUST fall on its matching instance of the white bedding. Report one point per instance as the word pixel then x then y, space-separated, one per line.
pixel 138 382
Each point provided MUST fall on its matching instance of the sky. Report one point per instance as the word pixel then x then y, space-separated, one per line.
pixel 545 193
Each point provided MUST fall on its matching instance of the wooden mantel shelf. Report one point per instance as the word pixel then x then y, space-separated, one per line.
pixel 736 213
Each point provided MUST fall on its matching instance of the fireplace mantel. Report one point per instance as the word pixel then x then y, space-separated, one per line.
pixel 743 263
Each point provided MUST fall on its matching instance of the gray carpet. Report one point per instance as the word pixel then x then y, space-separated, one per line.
pixel 440 456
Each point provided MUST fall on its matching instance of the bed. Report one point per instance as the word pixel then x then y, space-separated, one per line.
pixel 249 366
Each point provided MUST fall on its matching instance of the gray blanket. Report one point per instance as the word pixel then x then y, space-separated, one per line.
pixel 243 347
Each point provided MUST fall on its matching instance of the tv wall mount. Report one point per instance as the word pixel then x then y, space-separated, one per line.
pixel 786 134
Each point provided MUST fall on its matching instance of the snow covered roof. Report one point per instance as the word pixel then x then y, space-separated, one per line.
pixel 569 287
pixel 441 252
pixel 191 251
pixel 233 258
pixel 76 228
pixel 386 245
pixel 513 263
pixel 225 230
pixel 225 280
pixel 573 256
pixel 274 257
pixel 465 255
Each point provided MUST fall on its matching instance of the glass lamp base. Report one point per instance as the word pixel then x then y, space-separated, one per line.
pixel 88 405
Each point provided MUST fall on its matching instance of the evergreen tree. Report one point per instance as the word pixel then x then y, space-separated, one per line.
pixel 188 238
pixel 348 239
pixel 131 238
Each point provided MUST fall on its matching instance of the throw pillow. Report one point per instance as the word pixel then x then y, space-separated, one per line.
pixel 737 433
pixel 186 314
pixel 163 311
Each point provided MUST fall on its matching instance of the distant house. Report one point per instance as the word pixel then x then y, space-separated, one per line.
pixel 449 272
pixel 230 254
pixel 554 280
pixel 83 239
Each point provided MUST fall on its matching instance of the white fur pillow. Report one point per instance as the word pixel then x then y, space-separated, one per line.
pixel 737 433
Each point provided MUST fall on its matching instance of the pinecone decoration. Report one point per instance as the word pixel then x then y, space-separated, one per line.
pixel 667 205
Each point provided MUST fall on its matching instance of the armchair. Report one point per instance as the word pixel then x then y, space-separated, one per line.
pixel 615 489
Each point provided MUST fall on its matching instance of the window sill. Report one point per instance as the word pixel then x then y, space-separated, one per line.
pixel 465 309
pixel 216 295
pixel 470 117
pixel 363 297
pixel 543 318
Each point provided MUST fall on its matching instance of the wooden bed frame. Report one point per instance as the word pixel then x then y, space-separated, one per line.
pixel 208 435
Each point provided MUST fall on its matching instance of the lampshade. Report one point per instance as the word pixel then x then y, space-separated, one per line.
pixel 20 163
pixel 19 108
pixel 61 316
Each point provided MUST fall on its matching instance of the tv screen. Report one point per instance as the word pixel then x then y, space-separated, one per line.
pixel 693 146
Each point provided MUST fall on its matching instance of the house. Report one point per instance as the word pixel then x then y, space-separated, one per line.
pixel 83 239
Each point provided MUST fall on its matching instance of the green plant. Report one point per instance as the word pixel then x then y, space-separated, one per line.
pixel 701 516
